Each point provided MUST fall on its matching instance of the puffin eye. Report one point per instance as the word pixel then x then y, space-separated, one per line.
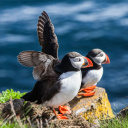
pixel 79 59
pixel 101 54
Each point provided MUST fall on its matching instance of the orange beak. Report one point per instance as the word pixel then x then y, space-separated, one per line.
pixel 88 63
pixel 107 60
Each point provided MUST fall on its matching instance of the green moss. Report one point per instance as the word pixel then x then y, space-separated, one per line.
pixel 6 95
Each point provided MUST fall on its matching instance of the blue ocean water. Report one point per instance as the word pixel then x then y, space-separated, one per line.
pixel 80 26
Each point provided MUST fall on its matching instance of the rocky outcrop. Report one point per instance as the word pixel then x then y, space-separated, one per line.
pixel 95 107
pixel 123 113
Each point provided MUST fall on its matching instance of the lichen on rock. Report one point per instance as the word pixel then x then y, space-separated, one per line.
pixel 95 107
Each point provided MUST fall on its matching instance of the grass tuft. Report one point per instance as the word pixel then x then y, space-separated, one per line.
pixel 15 124
pixel 119 122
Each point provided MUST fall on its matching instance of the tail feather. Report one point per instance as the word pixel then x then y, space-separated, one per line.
pixel 29 97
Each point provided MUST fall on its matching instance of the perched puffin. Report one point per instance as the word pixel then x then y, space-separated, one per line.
pixel 48 40
pixel 57 89
pixel 92 75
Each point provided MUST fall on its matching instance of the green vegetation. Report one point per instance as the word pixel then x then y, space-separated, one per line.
pixel 15 124
pixel 6 95
pixel 119 122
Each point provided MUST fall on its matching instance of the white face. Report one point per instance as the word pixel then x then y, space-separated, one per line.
pixel 99 58
pixel 77 62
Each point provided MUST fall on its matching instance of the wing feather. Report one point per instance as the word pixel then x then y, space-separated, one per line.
pixel 46 35
pixel 33 58
pixel 43 64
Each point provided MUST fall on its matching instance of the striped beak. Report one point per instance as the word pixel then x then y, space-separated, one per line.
pixel 87 63
pixel 107 60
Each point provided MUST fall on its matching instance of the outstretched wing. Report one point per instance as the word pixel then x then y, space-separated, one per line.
pixel 33 58
pixel 46 35
pixel 43 64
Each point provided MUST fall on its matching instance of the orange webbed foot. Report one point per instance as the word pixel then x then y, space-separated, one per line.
pixel 87 89
pixel 59 116
pixel 64 110
pixel 87 94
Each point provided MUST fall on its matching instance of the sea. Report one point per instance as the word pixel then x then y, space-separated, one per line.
pixel 80 25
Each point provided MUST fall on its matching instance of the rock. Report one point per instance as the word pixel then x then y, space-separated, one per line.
pixel 95 124
pixel 123 112
pixel 17 104
pixel 92 108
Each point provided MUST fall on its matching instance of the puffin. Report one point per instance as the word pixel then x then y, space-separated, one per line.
pixel 60 88
pixel 92 75
pixel 49 43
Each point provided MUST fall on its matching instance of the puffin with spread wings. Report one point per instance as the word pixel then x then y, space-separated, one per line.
pixel 45 71
pixel 60 88
pixel 58 82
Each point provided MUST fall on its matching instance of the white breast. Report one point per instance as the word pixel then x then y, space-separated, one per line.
pixel 70 85
pixel 92 77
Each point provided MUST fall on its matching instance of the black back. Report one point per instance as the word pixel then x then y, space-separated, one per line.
pixel 43 90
